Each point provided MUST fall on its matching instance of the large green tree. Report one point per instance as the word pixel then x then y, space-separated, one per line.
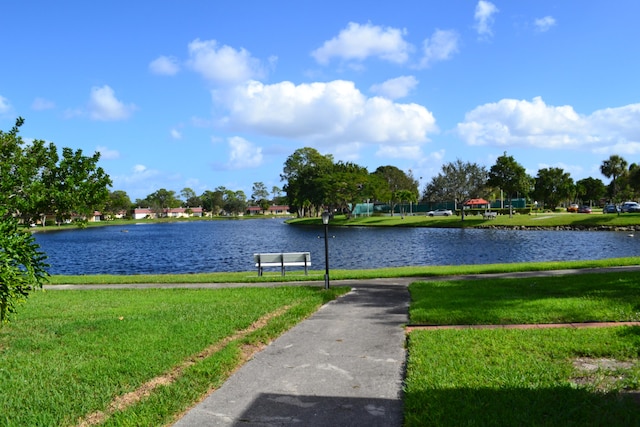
pixel 301 173
pixel 344 186
pixel 553 185
pixel 396 180
pixel 117 202
pixel 614 167
pixel 509 176
pixel 458 181
pixel 163 199
pixel 590 189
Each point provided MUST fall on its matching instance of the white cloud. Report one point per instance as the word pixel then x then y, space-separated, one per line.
pixel 511 122
pixel 5 106
pixel 358 42
pixel 40 104
pixel 243 154
pixel 175 134
pixel 544 24
pixel 107 154
pixel 400 152
pixel 442 45
pixel 332 113
pixel 103 105
pixel 395 88
pixel 483 16
pixel 223 64
pixel 164 66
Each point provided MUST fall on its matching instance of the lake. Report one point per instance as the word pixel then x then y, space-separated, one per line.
pixel 228 245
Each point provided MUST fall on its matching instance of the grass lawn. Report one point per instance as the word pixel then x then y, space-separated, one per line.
pixel 533 377
pixel 67 355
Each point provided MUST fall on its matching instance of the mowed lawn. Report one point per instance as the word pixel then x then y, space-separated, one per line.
pixel 70 356
pixel 525 377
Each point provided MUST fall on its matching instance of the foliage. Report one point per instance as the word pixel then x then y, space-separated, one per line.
pixel 190 198
pixel 301 172
pixel 458 181
pixel 510 176
pixel 552 186
pixel 35 181
pixel 590 189
pixel 614 167
pixel 22 265
pixel 117 202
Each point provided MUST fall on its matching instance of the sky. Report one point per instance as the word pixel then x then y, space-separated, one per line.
pixel 207 93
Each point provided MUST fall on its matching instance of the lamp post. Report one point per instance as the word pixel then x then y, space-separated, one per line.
pixel 325 221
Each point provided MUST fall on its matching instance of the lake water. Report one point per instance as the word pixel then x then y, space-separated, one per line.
pixel 216 246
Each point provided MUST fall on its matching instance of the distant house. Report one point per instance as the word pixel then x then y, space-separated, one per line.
pixel 271 210
pixel 142 213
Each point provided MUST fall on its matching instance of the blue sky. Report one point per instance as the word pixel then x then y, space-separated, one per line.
pixel 202 94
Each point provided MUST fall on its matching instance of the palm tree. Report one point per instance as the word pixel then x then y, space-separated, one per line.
pixel 613 168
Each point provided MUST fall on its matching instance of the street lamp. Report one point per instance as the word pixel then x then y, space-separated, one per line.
pixel 325 221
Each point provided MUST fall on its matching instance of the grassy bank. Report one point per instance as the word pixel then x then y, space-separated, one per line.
pixel 318 275
pixel 542 220
pixel 529 377
pixel 134 357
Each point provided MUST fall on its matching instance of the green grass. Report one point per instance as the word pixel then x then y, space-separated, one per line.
pixel 528 221
pixel 582 298
pixel 521 377
pixel 68 354
pixel 318 275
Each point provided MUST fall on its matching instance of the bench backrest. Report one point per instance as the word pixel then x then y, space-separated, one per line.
pixel 282 257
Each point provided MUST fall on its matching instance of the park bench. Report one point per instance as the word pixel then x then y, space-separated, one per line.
pixel 282 260
pixel 489 215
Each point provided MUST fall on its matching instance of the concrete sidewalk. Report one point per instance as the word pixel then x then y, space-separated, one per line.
pixel 343 366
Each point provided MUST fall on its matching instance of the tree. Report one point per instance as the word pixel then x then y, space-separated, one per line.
pixel 276 192
pixel 162 200
pixel 458 181
pixel 117 202
pixel 343 187
pixel 614 167
pixel 405 196
pixel 213 201
pixel 235 202
pixel 510 176
pixel 591 189
pixel 553 185
pixel 259 195
pixel 396 180
pixel 190 198
pixel 301 172
pixel 22 265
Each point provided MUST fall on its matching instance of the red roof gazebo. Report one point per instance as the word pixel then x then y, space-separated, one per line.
pixel 476 203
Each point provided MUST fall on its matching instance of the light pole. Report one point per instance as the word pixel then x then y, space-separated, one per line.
pixel 325 221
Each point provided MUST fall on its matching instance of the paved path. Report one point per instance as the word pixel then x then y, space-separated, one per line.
pixel 343 367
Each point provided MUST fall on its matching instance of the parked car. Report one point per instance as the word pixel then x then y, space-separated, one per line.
pixel 440 212
pixel 573 208
pixel 584 209
pixel 610 209
pixel 630 207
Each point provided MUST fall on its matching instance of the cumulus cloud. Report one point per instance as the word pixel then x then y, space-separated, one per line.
pixel 40 104
pixel 511 122
pixel 107 154
pixel 484 17
pixel 544 24
pixel 5 106
pixel 441 46
pixel 332 113
pixel 359 42
pixel 103 105
pixel 223 64
pixel 243 154
pixel 395 88
pixel 165 66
